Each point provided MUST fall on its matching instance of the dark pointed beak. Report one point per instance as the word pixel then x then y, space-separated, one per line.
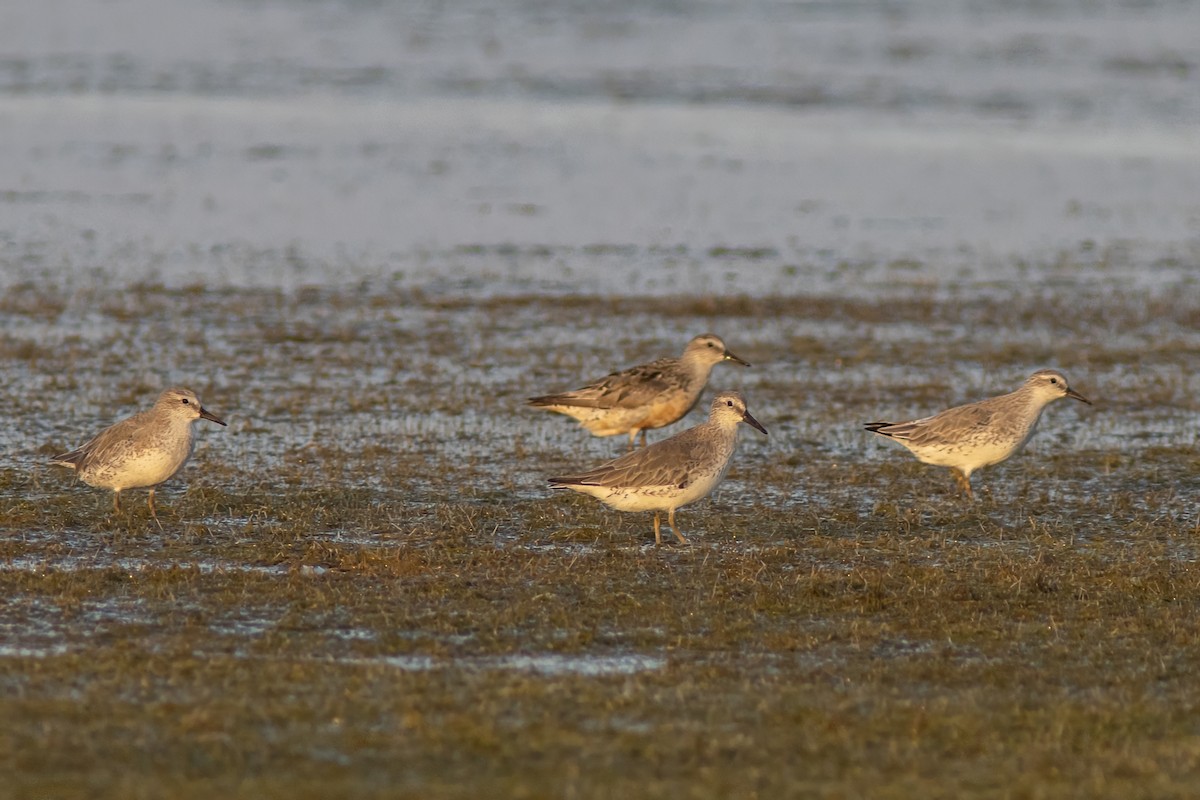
pixel 753 422
pixel 1074 395
pixel 205 414
pixel 731 357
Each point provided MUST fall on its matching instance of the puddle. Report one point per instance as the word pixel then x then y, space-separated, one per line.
pixel 549 664
pixel 37 564
pixel 24 651
pixel 587 666
pixel 242 628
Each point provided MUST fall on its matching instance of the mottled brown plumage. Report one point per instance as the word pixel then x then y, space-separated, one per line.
pixel 644 397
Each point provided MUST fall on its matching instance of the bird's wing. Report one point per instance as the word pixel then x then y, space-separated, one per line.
pixel 113 438
pixel 630 388
pixel 661 464
pixel 948 427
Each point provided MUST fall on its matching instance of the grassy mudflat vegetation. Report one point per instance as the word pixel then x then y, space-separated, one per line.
pixel 363 588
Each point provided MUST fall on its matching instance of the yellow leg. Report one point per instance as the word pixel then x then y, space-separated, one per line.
pixel 964 482
pixel 643 437
pixel 671 522
pixel 657 532
pixel 117 502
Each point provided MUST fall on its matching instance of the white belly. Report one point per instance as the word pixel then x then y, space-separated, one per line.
pixel 970 456
pixel 136 470
pixel 655 498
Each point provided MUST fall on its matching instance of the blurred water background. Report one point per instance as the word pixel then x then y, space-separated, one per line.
pixel 656 146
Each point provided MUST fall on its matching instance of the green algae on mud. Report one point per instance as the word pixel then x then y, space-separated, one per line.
pixel 368 591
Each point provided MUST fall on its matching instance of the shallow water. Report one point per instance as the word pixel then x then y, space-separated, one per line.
pixel 549 664
pixel 775 147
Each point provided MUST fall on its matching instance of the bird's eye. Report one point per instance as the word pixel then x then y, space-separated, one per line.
pixel 1054 380
pixel 710 344
pixel 729 403
pixel 185 401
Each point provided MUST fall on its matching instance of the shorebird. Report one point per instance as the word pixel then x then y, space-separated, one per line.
pixel 965 438
pixel 643 397
pixel 672 473
pixel 142 451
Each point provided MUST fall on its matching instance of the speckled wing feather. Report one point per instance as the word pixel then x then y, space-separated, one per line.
pixel 944 429
pixel 117 437
pixel 631 388
pixel 663 464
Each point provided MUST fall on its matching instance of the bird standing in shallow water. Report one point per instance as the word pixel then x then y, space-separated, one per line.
pixel 142 451
pixel 965 438
pixel 643 397
pixel 672 473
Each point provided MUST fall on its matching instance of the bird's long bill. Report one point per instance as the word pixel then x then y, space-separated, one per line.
pixel 1074 395
pixel 754 423
pixel 208 415
pixel 731 357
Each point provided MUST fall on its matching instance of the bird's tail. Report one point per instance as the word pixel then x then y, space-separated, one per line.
pixel 69 460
